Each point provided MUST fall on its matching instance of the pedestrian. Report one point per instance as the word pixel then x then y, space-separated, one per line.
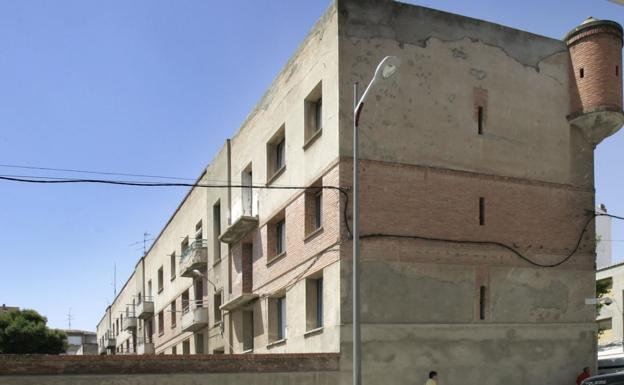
pixel 584 374
pixel 433 378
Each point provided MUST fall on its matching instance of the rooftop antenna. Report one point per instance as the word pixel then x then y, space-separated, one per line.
pixel 115 280
pixel 69 318
pixel 145 235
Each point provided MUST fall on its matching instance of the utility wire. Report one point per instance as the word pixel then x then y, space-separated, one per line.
pixel 343 191
pixel 499 244
pixel 91 172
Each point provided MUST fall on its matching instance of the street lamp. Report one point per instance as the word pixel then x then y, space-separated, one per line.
pixel 386 68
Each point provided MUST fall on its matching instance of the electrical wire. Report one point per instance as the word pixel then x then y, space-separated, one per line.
pixel 499 244
pixel 344 193
pixel 341 190
pixel 90 172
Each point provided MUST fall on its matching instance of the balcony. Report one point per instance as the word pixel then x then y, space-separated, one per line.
pixel 194 319
pixel 145 345
pixel 194 257
pixel 239 229
pixel 145 309
pixel 111 343
pixel 130 323
pixel 238 301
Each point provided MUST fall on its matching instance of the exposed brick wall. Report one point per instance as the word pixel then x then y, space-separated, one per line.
pixel 257 363
pixel 542 220
pixel 300 246
pixel 596 52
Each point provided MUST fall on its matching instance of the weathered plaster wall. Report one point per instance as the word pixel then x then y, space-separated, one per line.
pixel 426 113
pixel 424 169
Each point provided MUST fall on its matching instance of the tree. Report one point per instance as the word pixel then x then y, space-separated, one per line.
pixel 25 332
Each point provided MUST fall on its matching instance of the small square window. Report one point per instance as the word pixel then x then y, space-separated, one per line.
pixel 313 208
pixel 280 244
pixel 314 303
pixel 160 279
pixel 313 111
pixel 276 154
pixel 276 236
pixel 174 314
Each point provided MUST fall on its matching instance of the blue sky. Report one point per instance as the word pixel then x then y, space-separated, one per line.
pixel 155 87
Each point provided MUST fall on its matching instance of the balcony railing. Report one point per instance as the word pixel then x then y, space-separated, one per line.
pixel 130 323
pixel 194 318
pixel 194 257
pixel 145 309
pixel 111 343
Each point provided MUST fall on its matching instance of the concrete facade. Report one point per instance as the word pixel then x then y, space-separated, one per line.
pixel 479 137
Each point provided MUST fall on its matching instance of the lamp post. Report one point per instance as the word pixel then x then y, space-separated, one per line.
pixel 386 68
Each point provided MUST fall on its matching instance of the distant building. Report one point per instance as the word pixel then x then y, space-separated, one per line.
pixel 80 342
pixel 610 319
pixel 4 308
pixel 603 239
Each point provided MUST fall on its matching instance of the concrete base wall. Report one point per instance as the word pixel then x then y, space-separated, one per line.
pixel 491 354
pixel 259 369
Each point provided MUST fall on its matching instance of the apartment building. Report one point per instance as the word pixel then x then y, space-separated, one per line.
pixel 476 177
pixel 610 318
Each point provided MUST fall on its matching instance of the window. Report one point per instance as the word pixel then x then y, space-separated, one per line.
pixel 280 154
pixel 280 231
pixel 217 306
pixel 248 330
pixel 199 292
pixel 276 154
pixel 172 258
pixel 160 279
pixel 216 230
pixel 174 350
pixel 281 318
pixel 276 236
pixel 481 211
pixel 313 208
pixel 185 301
pixel 199 343
pixel 314 303
pixel 149 291
pixel 313 111
pixel 174 314
pixel 186 347
pixel 161 323
pixel 199 231
pixel 582 72
pixel 184 246
pixel 277 319
pixel 139 298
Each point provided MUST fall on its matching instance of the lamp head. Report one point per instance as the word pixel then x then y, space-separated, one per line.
pixel 387 67
pixel 197 273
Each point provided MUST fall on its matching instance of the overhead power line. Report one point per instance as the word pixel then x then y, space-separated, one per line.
pixel 344 193
pixel 91 172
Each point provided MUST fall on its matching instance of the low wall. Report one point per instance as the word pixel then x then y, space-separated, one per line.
pixel 260 369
